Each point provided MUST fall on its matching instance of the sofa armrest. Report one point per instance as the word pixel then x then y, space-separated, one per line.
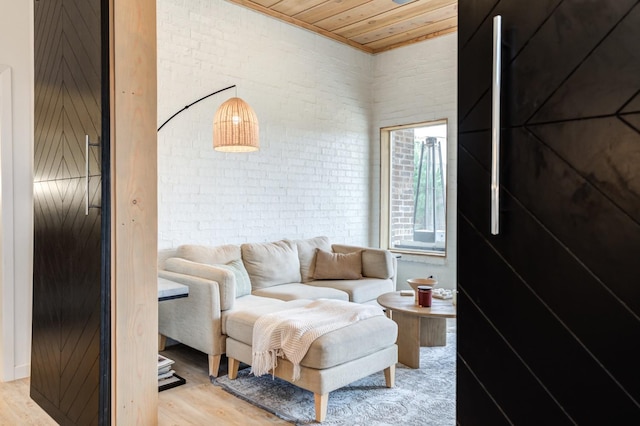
pixel 376 263
pixel 226 279
pixel 194 320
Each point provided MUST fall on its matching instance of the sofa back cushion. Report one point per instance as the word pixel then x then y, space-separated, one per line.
pixel 307 255
pixel 208 254
pixel 270 264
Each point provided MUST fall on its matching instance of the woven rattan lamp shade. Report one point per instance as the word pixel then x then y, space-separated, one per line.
pixel 235 127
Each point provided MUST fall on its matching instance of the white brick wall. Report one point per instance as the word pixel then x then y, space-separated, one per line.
pixel 413 84
pixel 320 105
pixel 313 100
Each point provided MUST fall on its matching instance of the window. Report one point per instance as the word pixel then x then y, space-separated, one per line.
pixel 413 199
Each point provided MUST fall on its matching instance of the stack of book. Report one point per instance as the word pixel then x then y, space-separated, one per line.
pixel 167 377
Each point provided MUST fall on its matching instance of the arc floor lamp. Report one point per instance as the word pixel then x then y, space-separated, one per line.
pixel 235 125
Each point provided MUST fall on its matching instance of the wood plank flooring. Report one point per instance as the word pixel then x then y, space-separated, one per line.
pixel 198 402
pixel 16 408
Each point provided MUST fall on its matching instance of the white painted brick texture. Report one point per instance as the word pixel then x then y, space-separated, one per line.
pixel 313 100
pixel 413 84
pixel 320 104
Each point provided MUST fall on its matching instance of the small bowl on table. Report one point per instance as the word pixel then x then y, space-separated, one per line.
pixel 415 282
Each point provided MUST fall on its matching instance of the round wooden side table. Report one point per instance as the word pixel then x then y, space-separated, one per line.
pixel 417 326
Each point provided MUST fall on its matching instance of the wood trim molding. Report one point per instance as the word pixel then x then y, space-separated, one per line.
pixel 7 284
pixel 134 212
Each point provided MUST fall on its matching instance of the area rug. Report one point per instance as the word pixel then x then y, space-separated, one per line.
pixel 424 396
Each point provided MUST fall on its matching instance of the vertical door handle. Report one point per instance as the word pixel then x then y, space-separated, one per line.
pixel 86 175
pixel 87 144
pixel 495 125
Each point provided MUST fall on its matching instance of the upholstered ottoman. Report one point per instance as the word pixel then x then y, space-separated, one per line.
pixel 332 361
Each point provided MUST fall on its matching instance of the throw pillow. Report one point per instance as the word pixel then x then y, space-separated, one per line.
pixel 338 266
pixel 243 284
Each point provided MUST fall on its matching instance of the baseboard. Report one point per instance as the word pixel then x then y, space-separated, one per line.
pixel 22 371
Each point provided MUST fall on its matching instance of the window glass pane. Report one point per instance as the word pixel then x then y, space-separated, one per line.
pixel 417 199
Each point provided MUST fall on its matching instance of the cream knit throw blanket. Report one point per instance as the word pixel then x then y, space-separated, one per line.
pixel 290 333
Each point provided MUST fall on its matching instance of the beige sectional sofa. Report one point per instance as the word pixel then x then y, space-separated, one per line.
pixel 263 277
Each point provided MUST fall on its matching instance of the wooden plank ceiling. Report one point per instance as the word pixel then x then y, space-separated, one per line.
pixel 370 25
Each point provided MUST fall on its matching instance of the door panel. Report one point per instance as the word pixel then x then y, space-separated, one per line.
pixel 69 350
pixel 48 260
pixel 603 170
pixel 524 345
pixel 82 83
pixel 495 358
pixel 80 314
pixel 550 307
pixel 480 409
pixel 475 66
pixel 618 55
pixel 562 43
pixel 632 106
pixel 48 100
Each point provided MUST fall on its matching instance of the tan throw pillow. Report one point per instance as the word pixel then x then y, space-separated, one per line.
pixel 338 266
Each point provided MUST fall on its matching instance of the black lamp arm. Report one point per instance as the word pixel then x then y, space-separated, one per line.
pixel 195 102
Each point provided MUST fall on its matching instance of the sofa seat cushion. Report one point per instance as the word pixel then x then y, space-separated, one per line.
pixel 238 322
pixel 301 291
pixel 270 264
pixel 359 291
pixel 334 348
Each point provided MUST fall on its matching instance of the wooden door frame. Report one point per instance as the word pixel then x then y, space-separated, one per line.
pixel 134 229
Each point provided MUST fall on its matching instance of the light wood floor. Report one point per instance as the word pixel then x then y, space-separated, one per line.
pixel 16 408
pixel 198 402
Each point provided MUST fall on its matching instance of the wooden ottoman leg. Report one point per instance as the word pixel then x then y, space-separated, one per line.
pixel 234 364
pixel 214 365
pixel 390 376
pixel 322 401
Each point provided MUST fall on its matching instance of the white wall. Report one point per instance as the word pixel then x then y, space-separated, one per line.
pixel 16 51
pixel 312 97
pixel 413 84
pixel 320 105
